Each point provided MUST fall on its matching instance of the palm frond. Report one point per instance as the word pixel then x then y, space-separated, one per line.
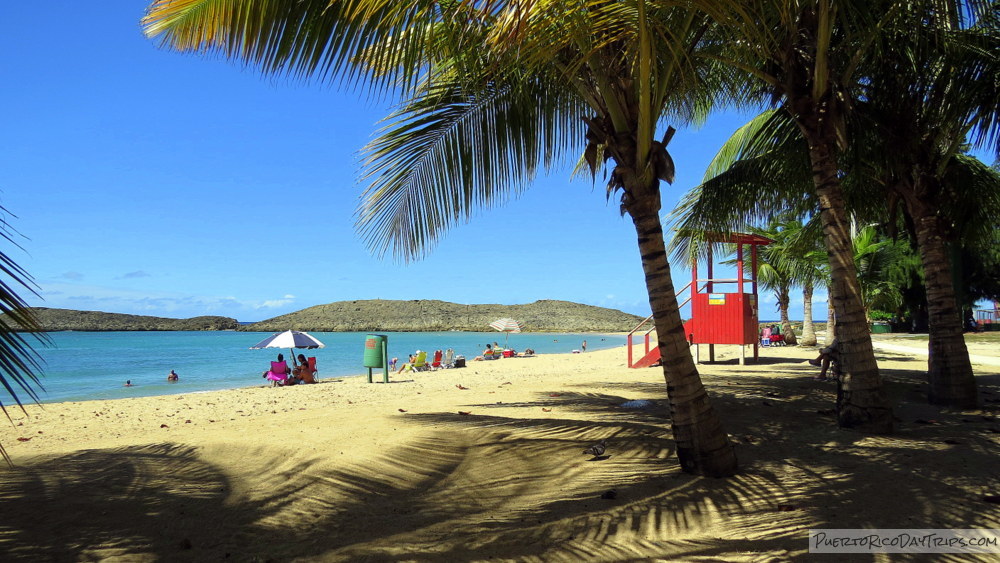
pixel 305 38
pixel 760 172
pixel 450 151
pixel 19 362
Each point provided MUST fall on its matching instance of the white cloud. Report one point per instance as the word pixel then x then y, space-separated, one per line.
pixel 154 303
pixel 133 275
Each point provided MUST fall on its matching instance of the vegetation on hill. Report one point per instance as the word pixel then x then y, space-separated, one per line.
pixel 432 315
pixel 68 319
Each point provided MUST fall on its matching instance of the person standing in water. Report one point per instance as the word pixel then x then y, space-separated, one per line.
pixel 172 377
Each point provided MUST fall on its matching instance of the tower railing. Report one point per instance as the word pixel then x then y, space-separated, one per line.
pixel 646 336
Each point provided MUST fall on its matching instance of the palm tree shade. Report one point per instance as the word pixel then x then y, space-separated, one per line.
pixel 490 93
pixel 807 56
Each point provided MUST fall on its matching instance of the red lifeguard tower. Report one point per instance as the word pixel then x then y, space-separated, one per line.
pixel 718 316
pixel 989 319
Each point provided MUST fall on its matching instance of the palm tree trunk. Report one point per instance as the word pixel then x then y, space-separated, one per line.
pixel 861 401
pixel 786 326
pixel 808 330
pixel 831 317
pixel 703 446
pixel 949 370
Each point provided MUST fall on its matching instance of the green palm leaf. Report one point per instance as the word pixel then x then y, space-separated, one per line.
pixel 19 330
pixel 450 151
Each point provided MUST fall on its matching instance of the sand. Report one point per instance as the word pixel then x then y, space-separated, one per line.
pixel 486 463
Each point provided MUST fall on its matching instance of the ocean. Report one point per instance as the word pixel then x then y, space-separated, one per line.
pixel 83 366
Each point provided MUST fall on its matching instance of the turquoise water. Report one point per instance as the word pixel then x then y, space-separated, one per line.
pixel 82 366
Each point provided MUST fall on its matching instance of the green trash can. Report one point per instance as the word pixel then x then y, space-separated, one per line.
pixel 375 350
pixel 881 328
pixel 376 355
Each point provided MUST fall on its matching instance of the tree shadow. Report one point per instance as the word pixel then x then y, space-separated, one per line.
pixel 487 485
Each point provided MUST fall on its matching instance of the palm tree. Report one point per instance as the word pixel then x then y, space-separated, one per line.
pixel 808 56
pixel 925 98
pixel 763 172
pixel 809 270
pixel 919 100
pixel 19 362
pixel 491 92
pixel 759 172
pixel 775 266
pixel 772 275
pixel 875 256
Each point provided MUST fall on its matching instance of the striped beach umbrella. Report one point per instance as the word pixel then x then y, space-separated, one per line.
pixel 506 325
pixel 290 339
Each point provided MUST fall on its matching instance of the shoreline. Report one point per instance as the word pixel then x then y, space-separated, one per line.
pixel 223 360
pixel 485 462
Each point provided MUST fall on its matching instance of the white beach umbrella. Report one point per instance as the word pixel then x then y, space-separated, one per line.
pixel 289 339
pixel 507 326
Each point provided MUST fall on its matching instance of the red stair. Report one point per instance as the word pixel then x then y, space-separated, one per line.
pixel 651 352
pixel 652 357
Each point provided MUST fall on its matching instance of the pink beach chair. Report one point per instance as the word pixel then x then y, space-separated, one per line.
pixel 278 373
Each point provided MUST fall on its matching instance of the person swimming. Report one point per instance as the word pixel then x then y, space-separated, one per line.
pixel 128 383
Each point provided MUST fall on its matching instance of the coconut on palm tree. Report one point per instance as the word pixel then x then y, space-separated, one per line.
pixel 490 93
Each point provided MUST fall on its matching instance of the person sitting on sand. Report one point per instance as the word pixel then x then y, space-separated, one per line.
pixel 302 372
pixel 408 366
pixel 528 352
pixel 488 354
pixel 172 376
pixel 392 363
pixel 278 372
pixel 827 355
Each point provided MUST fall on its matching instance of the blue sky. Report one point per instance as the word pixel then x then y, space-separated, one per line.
pixel 151 182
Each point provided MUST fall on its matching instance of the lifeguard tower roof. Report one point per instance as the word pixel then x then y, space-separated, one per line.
pixel 737 238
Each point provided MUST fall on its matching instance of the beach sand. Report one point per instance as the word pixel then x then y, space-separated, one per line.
pixel 486 462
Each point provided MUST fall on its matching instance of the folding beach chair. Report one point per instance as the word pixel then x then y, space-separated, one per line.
pixel 278 374
pixel 420 362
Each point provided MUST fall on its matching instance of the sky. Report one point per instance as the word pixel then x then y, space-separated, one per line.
pixel 149 182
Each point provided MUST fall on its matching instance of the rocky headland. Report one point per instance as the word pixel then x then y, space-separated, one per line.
pixel 421 315
pixel 52 320
pixel 417 315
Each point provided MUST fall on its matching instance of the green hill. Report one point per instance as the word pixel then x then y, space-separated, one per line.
pixel 69 319
pixel 431 315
